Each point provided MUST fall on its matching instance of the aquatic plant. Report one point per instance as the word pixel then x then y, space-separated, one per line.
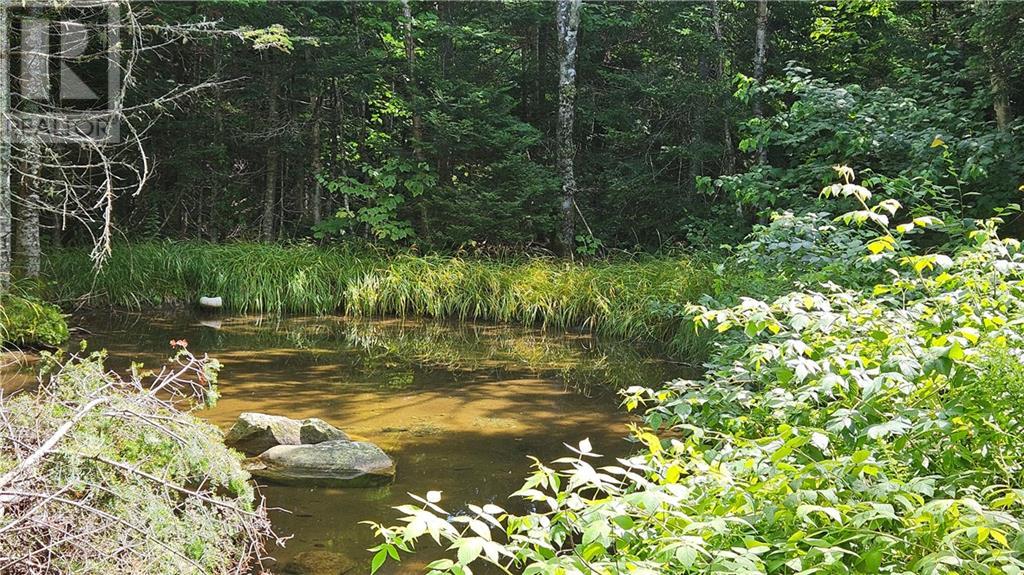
pixel 637 299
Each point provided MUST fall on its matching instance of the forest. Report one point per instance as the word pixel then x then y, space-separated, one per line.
pixel 513 287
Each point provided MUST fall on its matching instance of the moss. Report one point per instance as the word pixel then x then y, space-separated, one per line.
pixel 167 492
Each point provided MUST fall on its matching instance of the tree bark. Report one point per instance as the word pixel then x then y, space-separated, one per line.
pixel 314 202
pixel 568 20
pixel 270 192
pixel 446 55
pixel 338 159
pixel 6 137
pixel 28 222
pixel 35 62
pixel 760 58
pixel 1000 100
pixel 417 120
pixel 729 158
pixel 410 80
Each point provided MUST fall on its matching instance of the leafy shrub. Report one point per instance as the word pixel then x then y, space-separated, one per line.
pixel 837 431
pixel 925 142
pixel 100 475
pixel 25 320
pixel 806 245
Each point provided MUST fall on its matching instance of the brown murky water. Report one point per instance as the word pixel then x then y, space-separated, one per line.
pixel 459 407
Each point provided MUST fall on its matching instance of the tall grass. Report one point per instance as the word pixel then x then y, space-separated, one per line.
pixel 630 299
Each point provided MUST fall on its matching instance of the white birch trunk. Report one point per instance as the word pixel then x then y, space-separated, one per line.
pixel 28 220
pixel 6 137
pixel 568 19
pixel 34 61
pixel 1000 100
pixel 760 58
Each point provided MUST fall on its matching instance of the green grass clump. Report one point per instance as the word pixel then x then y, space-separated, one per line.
pixel 637 299
pixel 25 320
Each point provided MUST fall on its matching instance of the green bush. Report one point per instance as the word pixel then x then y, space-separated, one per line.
pixel 837 431
pixel 925 141
pixel 25 320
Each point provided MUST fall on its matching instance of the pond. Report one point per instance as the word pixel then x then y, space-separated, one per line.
pixel 460 407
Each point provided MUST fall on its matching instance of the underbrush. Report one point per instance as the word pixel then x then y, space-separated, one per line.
pixel 838 430
pixel 100 475
pixel 637 299
pixel 28 321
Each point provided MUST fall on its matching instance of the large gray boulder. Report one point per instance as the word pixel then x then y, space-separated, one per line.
pixel 338 463
pixel 255 433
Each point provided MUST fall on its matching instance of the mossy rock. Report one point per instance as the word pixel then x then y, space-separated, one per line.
pixel 319 562
pixel 255 433
pixel 327 464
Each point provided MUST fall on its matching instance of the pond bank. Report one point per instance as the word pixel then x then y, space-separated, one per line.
pixel 460 407
pixel 630 299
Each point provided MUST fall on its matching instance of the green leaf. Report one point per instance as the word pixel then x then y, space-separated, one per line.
pixel 686 556
pixel 470 549
pixel 871 561
pixel 378 560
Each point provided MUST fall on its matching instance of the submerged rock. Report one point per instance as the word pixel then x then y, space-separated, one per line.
pixel 255 433
pixel 319 563
pixel 337 463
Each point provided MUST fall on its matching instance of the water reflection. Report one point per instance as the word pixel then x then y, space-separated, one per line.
pixel 460 407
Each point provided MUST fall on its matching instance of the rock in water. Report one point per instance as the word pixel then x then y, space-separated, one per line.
pixel 315 430
pixel 336 463
pixel 255 433
pixel 319 563
pixel 211 302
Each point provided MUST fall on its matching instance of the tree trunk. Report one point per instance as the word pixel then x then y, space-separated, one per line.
pixel 1001 100
pixel 57 237
pixel 446 54
pixel 34 62
pixel 270 192
pixel 417 120
pixel 6 138
pixel 410 81
pixel 729 158
pixel 568 18
pixel 28 222
pixel 314 202
pixel 760 58
pixel 338 166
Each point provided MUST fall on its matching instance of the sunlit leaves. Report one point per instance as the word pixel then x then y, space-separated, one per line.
pixel 837 431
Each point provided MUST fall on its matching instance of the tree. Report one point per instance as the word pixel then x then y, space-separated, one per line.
pixel 716 25
pixel 760 58
pixel 568 18
pixel 272 155
pixel 35 63
pixel 6 137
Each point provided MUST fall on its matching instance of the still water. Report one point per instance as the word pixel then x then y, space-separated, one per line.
pixel 460 407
